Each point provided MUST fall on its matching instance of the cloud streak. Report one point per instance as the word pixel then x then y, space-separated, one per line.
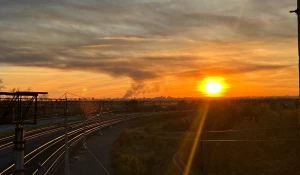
pixel 146 40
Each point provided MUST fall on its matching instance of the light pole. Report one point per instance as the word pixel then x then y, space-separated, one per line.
pixel 297 12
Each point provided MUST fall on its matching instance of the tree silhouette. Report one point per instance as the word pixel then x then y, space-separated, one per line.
pixel 1 85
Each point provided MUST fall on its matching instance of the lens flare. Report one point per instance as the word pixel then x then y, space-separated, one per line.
pixel 196 141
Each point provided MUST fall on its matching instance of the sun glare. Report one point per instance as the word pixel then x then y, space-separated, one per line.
pixel 212 86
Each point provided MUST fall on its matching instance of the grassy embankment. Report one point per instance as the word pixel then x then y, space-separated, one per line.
pixel 149 145
pixel 139 151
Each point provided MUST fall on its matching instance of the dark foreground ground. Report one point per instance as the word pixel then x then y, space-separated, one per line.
pixel 83 162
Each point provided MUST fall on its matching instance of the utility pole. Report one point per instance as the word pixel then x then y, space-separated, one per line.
pixel 125 118
pixel 13 113
pixel 19 149
pixel 100 118
pixel 160 107
pixel 51 102
pixel 140 108
pixel 66 138
pixel 100 123
pixel 297 12
pixel 19 142
pixel 111 122
pixel 84 128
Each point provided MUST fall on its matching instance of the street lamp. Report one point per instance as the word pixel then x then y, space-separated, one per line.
pixel 297 12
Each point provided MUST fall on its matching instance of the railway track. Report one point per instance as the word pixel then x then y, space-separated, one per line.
pixel 47 157
pixel 49 153
pixel 50 167
pixel 7 142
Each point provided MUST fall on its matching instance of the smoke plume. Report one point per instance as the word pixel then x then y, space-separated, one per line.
pixel 140 88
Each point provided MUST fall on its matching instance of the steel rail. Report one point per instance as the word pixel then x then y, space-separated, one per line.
pixel 94 127
pixel 79 138
pixel 57 138
pixel 39 133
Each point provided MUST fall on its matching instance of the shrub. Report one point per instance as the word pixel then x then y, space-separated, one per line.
pixel 175 126
pixel 128 164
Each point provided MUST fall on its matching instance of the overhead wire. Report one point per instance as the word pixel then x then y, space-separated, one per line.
pixel 76 95
pixel 97 160
pixel 250 129
pixel 63 95
pixel 235 130
pixel 210 131
pixel 216 140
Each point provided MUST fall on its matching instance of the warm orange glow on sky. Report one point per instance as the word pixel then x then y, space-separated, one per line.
pixel 57 82
pixel 99 50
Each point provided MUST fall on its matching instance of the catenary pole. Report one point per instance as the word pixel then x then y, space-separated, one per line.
pixel 297 12
pixel 66 138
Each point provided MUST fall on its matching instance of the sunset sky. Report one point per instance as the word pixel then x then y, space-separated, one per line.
pixel 137 48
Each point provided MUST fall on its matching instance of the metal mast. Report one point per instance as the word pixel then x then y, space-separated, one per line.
pixel 66 138
pixel 297 12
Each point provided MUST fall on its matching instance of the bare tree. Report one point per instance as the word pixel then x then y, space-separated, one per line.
pixel 29 89
pixel 1 85
pixel 18 89
pixel 15 89
pixel 43 97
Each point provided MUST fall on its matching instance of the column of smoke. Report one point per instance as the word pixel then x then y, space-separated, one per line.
pixel 140 88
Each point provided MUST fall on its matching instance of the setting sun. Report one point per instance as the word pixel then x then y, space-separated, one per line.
pixel 212 86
